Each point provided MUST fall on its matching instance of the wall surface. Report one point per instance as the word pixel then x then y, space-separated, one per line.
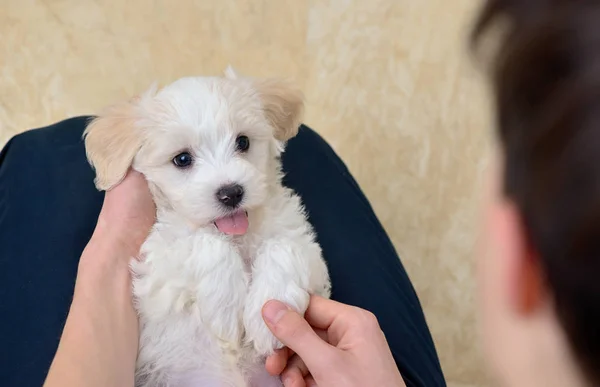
pixel 388 83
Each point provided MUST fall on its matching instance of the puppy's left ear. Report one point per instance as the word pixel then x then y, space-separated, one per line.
pixel 283 104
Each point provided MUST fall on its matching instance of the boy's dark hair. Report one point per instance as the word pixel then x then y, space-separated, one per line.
pixel 546 82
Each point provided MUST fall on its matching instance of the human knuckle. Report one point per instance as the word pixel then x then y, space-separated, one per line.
pixel 367 319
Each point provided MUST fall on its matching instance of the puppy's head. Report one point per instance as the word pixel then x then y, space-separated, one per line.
pixel 208 146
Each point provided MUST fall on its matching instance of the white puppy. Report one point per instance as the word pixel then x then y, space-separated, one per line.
pixel 228 236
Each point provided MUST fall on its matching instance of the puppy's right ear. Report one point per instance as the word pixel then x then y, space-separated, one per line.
pixel 112 140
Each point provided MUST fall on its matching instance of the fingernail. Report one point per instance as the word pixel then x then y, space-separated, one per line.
pixel 273 311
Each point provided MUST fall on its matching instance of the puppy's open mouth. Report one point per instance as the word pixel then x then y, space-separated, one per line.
pixel 233 224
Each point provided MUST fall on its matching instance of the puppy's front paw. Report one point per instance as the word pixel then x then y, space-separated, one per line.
pixel 259 336
pixel 257 332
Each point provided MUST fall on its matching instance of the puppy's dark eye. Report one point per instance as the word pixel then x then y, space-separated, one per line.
pixel 183 160
pixel 242 143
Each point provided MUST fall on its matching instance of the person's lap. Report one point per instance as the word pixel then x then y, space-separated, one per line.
pixel 48 211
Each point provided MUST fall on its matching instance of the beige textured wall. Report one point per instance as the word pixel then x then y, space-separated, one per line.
pixel 387 82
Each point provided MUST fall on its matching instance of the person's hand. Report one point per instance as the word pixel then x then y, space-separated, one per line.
pixel 333 345
pixel 127 215
pixel 99 343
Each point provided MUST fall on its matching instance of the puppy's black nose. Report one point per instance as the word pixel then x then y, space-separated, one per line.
pixel 231 195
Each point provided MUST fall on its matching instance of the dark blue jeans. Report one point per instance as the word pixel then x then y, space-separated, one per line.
pixel 49 207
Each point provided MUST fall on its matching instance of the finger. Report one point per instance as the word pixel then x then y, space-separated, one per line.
pixel 293 378
pixel 295 368
pixel 295 332
pixel 309 381
pixel 297 363
pixel 322 312
pixel 276 363
pixel 322 334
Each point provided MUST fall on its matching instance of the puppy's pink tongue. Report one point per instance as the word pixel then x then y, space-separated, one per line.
pixel 234 224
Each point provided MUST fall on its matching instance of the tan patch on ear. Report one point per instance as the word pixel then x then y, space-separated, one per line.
pixel 111 142
pixel 283 104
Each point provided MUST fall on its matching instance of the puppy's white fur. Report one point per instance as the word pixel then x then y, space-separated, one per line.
pixel 199 292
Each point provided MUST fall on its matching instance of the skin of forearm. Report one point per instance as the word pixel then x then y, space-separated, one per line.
pixel 99 342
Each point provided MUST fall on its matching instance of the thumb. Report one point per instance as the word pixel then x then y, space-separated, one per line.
pixel 295 333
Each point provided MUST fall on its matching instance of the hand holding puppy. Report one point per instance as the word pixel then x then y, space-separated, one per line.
pixel 99 343
pixel 128 214
pixel 333 345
